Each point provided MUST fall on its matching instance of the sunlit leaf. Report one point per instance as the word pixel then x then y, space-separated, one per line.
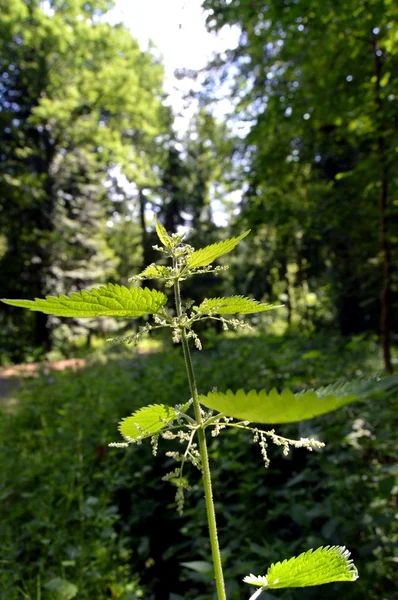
pixel 232 306
pixel 148 420
pixel 205 256
pixel 111 301
pixel 162 234
pixel 286 407
pixel 154 271
pixel 315 567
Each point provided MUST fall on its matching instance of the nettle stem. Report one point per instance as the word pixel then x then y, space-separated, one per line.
pixel 211 515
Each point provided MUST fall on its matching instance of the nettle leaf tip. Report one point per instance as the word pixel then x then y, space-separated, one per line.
pixel 205 256
pixel 163 235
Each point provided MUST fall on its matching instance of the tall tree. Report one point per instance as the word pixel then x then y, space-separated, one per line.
pixel 317 82
pixel 77 96
pixel 195 172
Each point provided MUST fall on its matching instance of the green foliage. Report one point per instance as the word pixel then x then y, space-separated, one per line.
pixel 61 589
pixel 154 272
pixel 163 235
pixel 316 154
pixel 82 115
pixel 85 111
pixel 72 508
pixel 148 421
pixel 315 567
pixel 232 306
pixel 111 300
pixel 311 499
pixel 286 407
pixel 205 256
pixel 195 171
pixel 157 421
pixel 61 489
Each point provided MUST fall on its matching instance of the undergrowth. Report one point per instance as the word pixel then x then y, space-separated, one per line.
pixel 73 508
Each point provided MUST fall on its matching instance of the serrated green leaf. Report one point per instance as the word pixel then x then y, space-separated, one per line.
pixel 286 407
pixel 162 234
pixel 232 306
pixel 205 256
pixel 148 421
pixel 315 567
pixel 111 301
pixel 155 271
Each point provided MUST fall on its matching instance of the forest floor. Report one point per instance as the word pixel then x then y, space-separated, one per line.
pixel 10 377
pixel 71 507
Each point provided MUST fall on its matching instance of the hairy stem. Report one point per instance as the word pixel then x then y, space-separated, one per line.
pixel 258 593
pixel 211 515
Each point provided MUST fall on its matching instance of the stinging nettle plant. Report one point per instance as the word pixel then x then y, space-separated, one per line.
pixel 189 422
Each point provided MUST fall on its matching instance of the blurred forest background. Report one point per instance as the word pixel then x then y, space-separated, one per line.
pixel 305 158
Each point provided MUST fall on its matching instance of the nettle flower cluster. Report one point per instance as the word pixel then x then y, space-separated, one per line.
pixel 187 424
pixel 183 428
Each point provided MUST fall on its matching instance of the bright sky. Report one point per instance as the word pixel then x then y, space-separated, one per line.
pixel 177 28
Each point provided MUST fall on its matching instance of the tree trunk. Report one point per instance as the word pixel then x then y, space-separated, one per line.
pixel 146 249
pixel 385 295
pixel 284 275
pixel 42 336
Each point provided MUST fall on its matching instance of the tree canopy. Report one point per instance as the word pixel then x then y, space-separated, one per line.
pixel 315 84
pixel 305 159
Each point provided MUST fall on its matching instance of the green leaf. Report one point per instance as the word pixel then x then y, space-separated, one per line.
pixel 200 566
pixel 232 306
pixel 111 301
pixel 149 420
pixel 315 567
pixel 154 271
pixel 163 235
pixel 61 589
pixel 286 407
pixel 205 256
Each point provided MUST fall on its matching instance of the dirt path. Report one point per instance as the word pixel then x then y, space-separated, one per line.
pixel 32 368
pixel 10 376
